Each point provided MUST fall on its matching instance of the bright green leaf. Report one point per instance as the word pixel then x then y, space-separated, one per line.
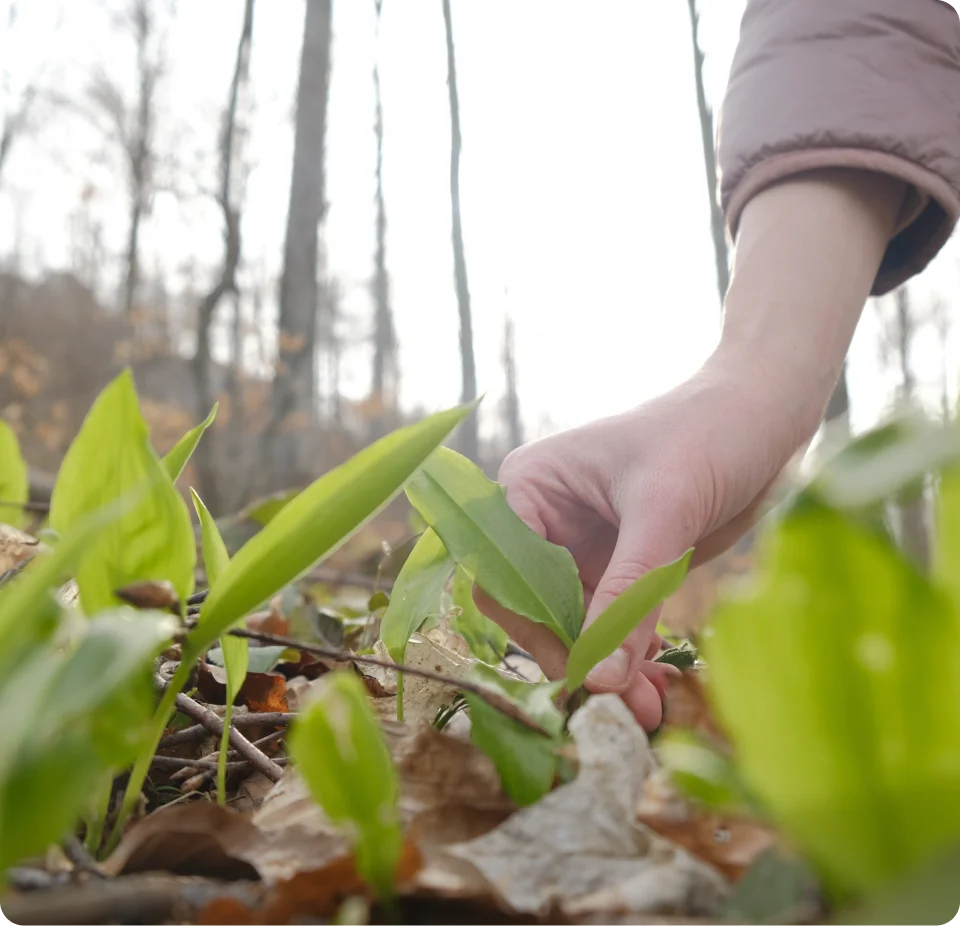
pixel 605 635
pixel 14 481
pixel 264 510
pixel 111 457
pixel 946 552
pixel 845 728
pixel 525 760
pixel 67 720
pixel 486 639
pixel 416 593
pixel 235 650
pixel 25 599
pixel 882 462
pixel 699 770
pixel 318 521
pixel 176 460
pixel 519 569
pixel 260 658
pixel 339 750
pixel 215 555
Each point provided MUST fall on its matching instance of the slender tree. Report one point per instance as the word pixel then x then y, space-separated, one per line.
pixel 293 400
pixel 705 111
pixel 133 126
pixel 229 200
pixel 383 388
pixel 469 434
pixel 513 424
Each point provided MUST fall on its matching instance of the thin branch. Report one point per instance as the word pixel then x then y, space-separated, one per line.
pixel 214 724
pixel 491 697
pixel 198 732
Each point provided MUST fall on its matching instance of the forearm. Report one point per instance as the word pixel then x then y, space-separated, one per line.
pixel 807 254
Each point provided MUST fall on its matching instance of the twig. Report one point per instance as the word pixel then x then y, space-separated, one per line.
pixel 231 755
pixel 198 731
pixel 206 765
pixel 81 859
pixel 491 697
pixel 214 724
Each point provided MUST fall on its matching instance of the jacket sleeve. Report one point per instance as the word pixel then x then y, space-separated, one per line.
pixel 867 84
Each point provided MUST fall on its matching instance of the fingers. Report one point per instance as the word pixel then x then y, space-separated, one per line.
pixel 644 543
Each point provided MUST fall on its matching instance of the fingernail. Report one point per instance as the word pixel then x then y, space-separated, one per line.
pixel 612 672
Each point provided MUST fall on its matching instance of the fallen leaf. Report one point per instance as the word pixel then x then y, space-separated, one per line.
pixel 158 595
pixel 199 839
pixel 263 692
pixel 687 707
pixel 17 547
pixel 580 849
pixel 729 843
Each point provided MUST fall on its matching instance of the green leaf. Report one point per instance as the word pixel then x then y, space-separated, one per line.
pixel 846 730
pixel 682 657
pixel 525 760
pixel 882 462
pixel 215 555
pixel 14 481
pixel 486 639
pixel 27 598
pixel 520 570
pixel 700 771
pixel 110 457
pixel 260 658
pixel 176 460
pixel 234 650
pixel 946 552
pixel 318 521
pixel 339 750
pixel 67 721
pixel 416 593
pixel 605 635
pixel 266 509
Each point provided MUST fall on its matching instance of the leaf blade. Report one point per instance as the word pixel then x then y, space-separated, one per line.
pixel 319 520
pixel 605 635
pixel 14 479
pixel 512 564
pixel 177 458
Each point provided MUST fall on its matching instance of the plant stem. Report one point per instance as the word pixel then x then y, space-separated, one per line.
pixel 139 773
pixel 400 697
pixel 224 749
pixel 98 817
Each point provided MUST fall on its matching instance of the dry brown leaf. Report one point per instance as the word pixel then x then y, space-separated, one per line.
pixel 200 839
pixel 579 849
pixel 687 707
pixel 17 547
pixel 449 791
pixel 729 843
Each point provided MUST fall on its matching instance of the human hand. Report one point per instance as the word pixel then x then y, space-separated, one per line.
pixel 691 468
pixel 629 493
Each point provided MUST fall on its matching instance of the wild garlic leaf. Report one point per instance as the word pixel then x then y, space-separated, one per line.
pixel 520 570
pixel 176 460
pixel 321 518
pixel 110 458
pixel 606 634
pixel 339 750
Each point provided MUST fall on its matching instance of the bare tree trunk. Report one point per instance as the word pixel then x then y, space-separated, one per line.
pixel 511 401
pixel 717 229
pixel 911 506
pixel 383 389
pixel 139 144
pixel 469 437
pixel 227 282
pixel 293 401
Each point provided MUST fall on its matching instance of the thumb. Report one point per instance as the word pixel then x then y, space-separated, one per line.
pixel 642 545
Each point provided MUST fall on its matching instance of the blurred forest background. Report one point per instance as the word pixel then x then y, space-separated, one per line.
pixel 334 216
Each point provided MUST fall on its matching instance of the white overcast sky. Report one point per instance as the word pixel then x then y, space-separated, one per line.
pixel 583 193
